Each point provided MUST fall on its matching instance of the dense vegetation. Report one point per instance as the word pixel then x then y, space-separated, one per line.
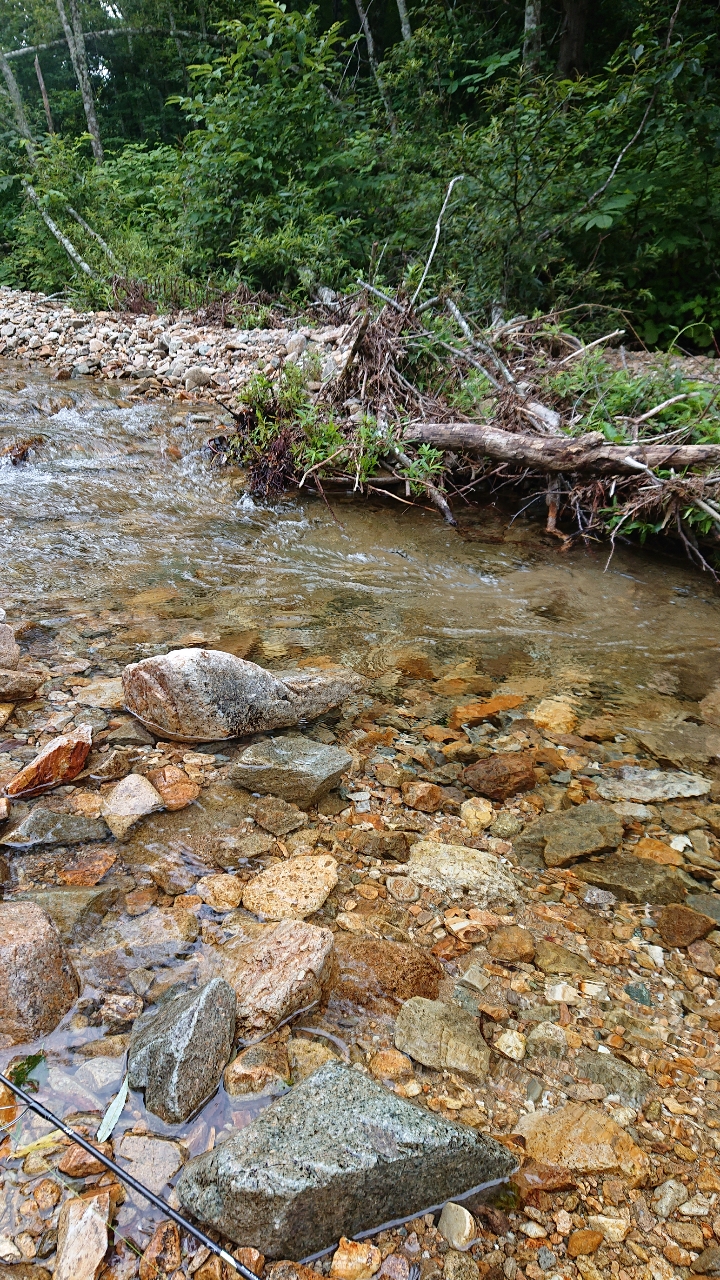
pixel 279 147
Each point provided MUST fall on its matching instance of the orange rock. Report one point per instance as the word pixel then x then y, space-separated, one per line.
pixel 390 1064
pixel 472 713
pixel 174 787
pixel 584 1140
pixel 580 1243
pixel 8 1105
pixel 250 1258
pixel 512 943
pixel 425 796
pixel 87 867
pixel 59 762
pixel 355 1260
pixel 162 1255
pixel 78 1163
pixel 440 733
pixel 656 851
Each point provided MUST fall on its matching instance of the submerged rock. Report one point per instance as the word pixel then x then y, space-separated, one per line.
pixel 37 982
pixel 120 945
pixel 17 685
pixel 177 1055
pixel 9 648
pixel 443 1036
pixel 43 826
pixel 82 1237
pixel 292 767
pixel 453 866
pixel 274 970
pixel 203 695
pixel 338 1154
pixel 562 838
pixel 130 800
pixel 650 785
pixel 583 1139
pixel 636 879
pixel 174 787
pixel 631 1086
pixel 502 775
pixel 380 974
pixel 59 762
pixel 74 910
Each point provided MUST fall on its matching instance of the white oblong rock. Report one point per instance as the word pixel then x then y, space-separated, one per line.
pixel 293 889
pixel 457 1225
pixel 82 1237
pixel 203 695
pixel 453 866
pixel 650 785
pixel 130 800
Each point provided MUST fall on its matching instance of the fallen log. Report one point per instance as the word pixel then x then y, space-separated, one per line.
pixel 590 453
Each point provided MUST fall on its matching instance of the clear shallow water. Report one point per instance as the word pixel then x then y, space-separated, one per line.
pixel 119 540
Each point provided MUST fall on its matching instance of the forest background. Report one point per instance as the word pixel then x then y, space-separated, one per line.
pixel 197 144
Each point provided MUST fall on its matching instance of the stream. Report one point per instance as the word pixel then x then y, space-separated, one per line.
pixel 120 540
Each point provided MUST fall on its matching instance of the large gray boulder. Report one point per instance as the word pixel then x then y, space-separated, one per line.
pixel 43 826
pixel 178 1054
pixel 292 767
pixel 337 1155
pixel 203 695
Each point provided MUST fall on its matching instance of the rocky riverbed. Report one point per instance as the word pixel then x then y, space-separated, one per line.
pixel 456 925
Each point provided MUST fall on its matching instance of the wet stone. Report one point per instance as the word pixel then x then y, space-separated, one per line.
pixel 293 767
pixel 9 648
pixel 512 943
pixel 37 982
pixel 82 1237
pixel 76 912
pixel 338 1154
pixel 631 1086
pixel 59 762
pixel 551 958
pixel 706 904
pixel 648 786
pixel 679 926
pixel 276 815
pixel 174 787
pixel 308 1056
pixel 583 1139
pixel 132 798
pixel 636 879
pixel 260 1069
pixel 562 838
pixel 502 775
pixel 151 1160
pixel 380 974
pixel 121 945
pixel 16 686
pixel 293 889
pixel 177 1055
pixel 449 866
pixel 442 1036
pixel 546 1040
pixel 43 826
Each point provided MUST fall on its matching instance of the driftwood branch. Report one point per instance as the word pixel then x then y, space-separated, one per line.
pixel 55 231
pixel 590 454
pixel 116 31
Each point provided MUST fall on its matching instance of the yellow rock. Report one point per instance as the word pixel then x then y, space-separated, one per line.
pixel 554 716
pixel 355 1260
pixel 583 1139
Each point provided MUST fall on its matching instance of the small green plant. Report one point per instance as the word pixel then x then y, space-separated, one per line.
pixel 21 1072
pixel 428 465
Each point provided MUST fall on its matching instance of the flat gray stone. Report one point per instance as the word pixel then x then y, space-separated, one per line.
pixel 337 1155
pixel 443 1036
pixel 616 1076
pixel 546 1040
pixel 563 837
pixel 178 1054
pixel 293 767
pixel 637 880
pixel 708 904
pixel 682 744
pixel 75 912
pixel 205 695
pixel 42 826
pixel 647 786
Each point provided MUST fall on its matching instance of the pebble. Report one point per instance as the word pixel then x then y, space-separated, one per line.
pixel 355 1260
pixel 457 1225
pixel 131 799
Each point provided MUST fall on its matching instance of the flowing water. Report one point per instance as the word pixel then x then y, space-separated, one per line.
pixel 119 540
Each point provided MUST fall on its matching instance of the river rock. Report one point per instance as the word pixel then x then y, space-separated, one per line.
pixel 134 942
pixel 477 814
pixel 550 957
pixel 473 713
pixel 103 692
pixel 152 1161
pixel 162 1256
pixel 75 911
pixel 9 648
pixel 355 1260
pixel 502 775
pixel 457 1226
pixel 680 926
pixel 546 1040
pixel 648 786
pixel 276 815
pixel 6 710
pixel 636 879
pixel 338 1154
pixel 262 1069
pixel 177 1055
pixel 132 798
pixel 37 982
pixel 174 787
pixel 454 866
pixel 563 837
pixel 221 892
pixel 308 1056
pixel 381 974
pixel 82 1237
pixel 382 844
pixel 59 762
pixel 427 797
pixel 292 767
pixel 274 970
pixel 292 889
pixel 583 1139
pixel 204 695
pixel 707 904
pixel 668 1197
pixel 632 1086
pixel 512 943
pixel 42 826
pixel 442 1036
pixel 18 685
pixel 554 716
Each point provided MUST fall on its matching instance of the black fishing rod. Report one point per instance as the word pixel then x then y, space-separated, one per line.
pixel 127 1178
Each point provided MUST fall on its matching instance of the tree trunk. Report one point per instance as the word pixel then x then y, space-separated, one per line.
pixel 532 41
pixel 78 54
pixel 46 100
pixel 54 230
pixel 571 59
pixel 405 27
pixel 362 15
pixel 589 454
pixel 15 97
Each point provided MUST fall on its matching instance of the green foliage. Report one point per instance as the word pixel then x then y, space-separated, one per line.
pixel 21 1072
pixel 426 465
